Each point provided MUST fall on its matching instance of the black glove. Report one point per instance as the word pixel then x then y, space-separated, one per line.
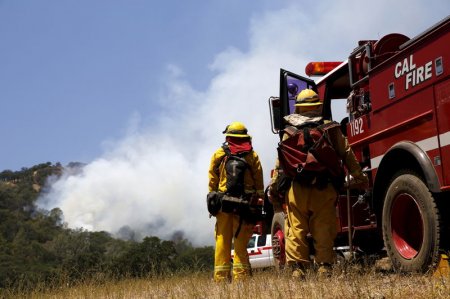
pixel 214 202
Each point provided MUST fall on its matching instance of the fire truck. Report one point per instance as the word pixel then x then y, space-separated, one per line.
pixel 392 99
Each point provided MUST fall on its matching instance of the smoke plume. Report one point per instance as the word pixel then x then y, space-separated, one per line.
pixel 153 181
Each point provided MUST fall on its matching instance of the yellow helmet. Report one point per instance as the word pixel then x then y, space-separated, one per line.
pixel 236 129
pixel 307 97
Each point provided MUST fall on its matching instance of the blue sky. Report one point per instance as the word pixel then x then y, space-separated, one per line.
pixel 72 72
pixel 141 91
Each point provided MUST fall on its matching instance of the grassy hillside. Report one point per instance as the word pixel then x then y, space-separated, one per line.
pixel 264 284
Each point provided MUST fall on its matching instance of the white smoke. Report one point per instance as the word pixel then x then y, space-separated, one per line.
pixel 154 180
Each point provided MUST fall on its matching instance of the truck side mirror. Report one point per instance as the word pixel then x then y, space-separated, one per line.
pixel 275 119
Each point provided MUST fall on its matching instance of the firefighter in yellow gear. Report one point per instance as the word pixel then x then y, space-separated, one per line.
pixel 311 209
pixel 229 225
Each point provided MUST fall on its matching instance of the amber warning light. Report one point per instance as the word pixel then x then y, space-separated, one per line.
pixel 320 68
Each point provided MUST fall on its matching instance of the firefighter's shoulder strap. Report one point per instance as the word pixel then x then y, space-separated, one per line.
pixel 228 154
pixel 325 127
pixel 292 130
pixel 329 125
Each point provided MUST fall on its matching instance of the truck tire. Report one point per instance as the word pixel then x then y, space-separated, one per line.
pixel 410 223
pixel 278 242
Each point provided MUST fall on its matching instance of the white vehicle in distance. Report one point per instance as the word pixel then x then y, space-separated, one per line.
pixel 260 252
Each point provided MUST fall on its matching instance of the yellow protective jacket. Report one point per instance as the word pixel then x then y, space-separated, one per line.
pixel 253 177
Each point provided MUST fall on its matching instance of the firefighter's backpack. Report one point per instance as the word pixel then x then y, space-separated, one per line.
pixel 235 199
pixel 235 167
pixel 308 156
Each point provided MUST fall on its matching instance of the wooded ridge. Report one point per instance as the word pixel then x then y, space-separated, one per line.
pixel 36 246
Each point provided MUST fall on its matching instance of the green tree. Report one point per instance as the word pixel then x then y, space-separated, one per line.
pixel 149 257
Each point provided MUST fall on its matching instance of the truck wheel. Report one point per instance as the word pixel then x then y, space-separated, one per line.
pixel 278 243
pixel 410 224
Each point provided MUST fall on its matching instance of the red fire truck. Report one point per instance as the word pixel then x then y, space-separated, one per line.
pixel 394 95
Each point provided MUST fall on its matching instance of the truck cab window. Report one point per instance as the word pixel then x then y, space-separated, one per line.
pixel 339 113
pixel 262 240
pixel 338 109
pixel 251 242
pixel 294 86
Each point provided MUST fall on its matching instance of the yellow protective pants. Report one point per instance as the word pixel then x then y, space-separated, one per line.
pixel 226 227
pixel 310 210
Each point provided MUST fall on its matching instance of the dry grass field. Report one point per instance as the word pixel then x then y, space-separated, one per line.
pixel 352 283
